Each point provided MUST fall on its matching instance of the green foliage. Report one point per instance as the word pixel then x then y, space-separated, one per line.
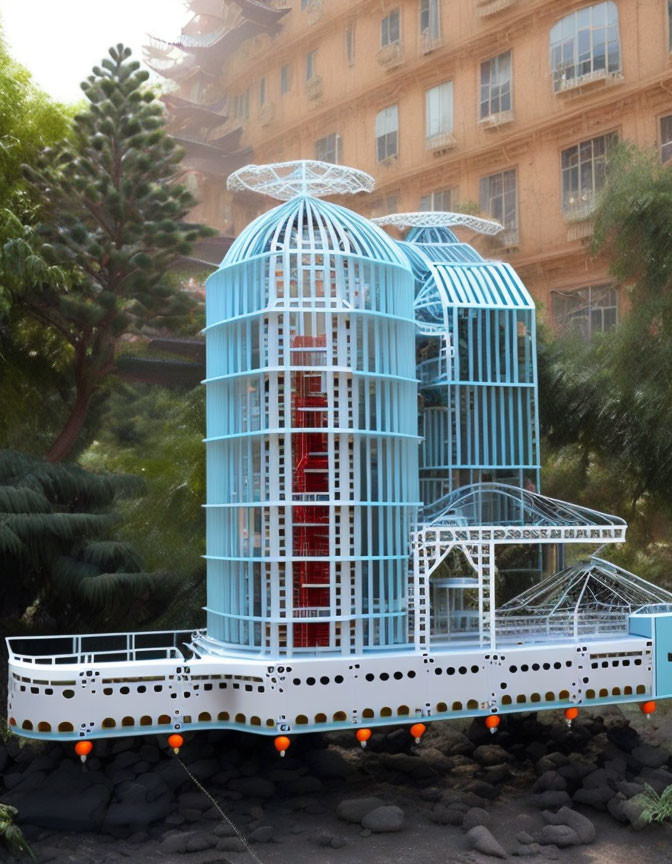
pixel 11 833
pixel 58 568
pixel 657 808
pixel 606 406
pixel 157 434
pixel 111 224
pixel 28 123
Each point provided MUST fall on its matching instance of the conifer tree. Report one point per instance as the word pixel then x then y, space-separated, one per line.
pixel 112 215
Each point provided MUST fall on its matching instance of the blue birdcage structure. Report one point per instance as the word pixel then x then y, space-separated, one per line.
pixel 311 426
pixel 328 346
pixel 477 372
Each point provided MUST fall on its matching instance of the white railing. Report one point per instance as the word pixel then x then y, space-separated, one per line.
pixel 98 647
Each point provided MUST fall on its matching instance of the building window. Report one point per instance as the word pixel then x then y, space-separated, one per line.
pixel 389 29
pixel 584 168
pixel 430 19
pixel 439 110
pixel 242 105
pixel 350 44
pixel 284 80
pixel 439 199
pixel 585 311
pixel 498 198
pixel 666 137
pixel 387 133
pixel 585 45
pixel 496 85
pixel 311 57
pixel 328 149
pixel 262 91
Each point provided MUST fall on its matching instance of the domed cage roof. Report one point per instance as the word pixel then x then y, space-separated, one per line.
pixel 595 594
pixel 306 224
pixel 449 273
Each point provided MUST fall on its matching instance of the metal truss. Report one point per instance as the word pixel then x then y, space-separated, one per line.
pixel 439 219
pixel 286 180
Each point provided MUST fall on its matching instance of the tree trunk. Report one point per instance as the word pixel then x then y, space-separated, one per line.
pixel 69 434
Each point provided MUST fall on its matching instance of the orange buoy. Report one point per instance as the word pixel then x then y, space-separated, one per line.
pixel 417 731
pixel 83 748
pixel 492 721
pixel 363 736
pixel 175 741
pixel 648 708
pixel 282 742
pixel 571 714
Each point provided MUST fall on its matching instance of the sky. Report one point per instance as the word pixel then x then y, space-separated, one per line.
pixel 60 40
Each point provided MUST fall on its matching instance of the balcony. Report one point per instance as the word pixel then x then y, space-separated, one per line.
pixel 441 143
pixel 390 56
pixel 509 238
pixel 568 83
pixel 429 42
pixel 267 113
pixel 314 88
pixel 579 208
pixel 494 121
pixel 490 7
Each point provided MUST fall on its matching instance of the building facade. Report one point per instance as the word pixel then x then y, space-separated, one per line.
pixel 505 108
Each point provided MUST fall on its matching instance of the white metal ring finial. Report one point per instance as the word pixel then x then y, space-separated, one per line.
pixel 439 219
pixel 285 180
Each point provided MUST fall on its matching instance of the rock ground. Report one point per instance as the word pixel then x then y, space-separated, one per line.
pixel 331 802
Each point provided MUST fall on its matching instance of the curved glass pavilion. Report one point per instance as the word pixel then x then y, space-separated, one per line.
pixel 311 435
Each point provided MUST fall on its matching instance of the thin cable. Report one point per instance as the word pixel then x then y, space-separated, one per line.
pixel 240 836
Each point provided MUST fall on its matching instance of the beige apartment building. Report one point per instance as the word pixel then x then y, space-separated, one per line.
pixel 503 107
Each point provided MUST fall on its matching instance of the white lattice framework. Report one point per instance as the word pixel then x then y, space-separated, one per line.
pixel 439 219
pixel 287 180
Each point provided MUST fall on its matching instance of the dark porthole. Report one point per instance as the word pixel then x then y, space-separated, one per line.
pixel 568 662
pixel 142 689
pixel 557 665
pixel 384 676
pixel 463 670
pixel 638 662
pixel 310 681
pixel 338 679
pixel 438 670
pixel 524 668
pixel 324 680
pixel 399 675
pixel 626 662
pixel 411 674
pixel 547 665
pixel 370 676
pixel 474 669
pixel 535 667
pixel 450 670
pixel 513 668
pixel 296 681
pixel 124 690
pixel 503 685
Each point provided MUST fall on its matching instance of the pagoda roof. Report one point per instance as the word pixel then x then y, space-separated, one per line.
pixel 203 115
pixel 211 160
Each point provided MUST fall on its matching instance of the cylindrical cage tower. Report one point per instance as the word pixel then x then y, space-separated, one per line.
pixel 312 441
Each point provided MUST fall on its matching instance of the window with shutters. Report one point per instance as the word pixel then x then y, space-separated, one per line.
pixel 387 133
pixel 389 29
pixel 328 149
